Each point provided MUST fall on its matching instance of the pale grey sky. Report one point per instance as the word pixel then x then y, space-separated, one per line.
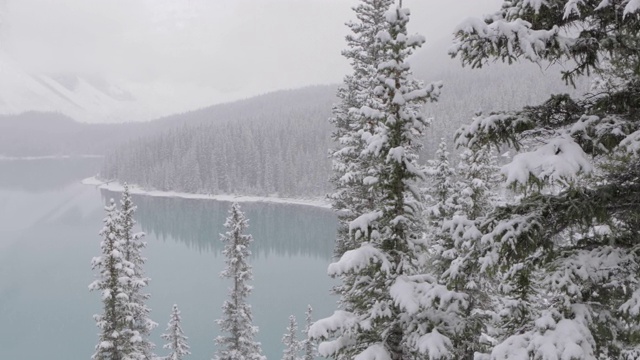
pixel 247 46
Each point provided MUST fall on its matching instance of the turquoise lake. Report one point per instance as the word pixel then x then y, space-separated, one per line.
pixel 49 226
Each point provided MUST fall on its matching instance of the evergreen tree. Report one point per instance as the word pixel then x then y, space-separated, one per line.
pixel 564 252
pixel 378 316
pixel 352 197
pixel 141 324
pixel 441 193
pixel 290 340
pixel 237 322
pixel 479 175
pixel 457 247
pixel 112 267
pixel 176 341
pixel 308 345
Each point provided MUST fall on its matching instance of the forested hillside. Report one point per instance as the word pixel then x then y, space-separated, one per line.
pixel 273 144
pixel 277 144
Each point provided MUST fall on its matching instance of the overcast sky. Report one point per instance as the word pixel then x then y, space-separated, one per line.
pixel 232 45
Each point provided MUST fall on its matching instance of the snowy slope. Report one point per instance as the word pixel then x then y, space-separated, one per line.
pixel 95 99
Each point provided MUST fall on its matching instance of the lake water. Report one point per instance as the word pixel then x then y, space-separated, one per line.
pixel 49 226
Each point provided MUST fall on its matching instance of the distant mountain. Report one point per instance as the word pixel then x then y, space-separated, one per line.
pixel 52 134
pixel 94 99
pixel 273 143
pixel 37 133
pixel 278 143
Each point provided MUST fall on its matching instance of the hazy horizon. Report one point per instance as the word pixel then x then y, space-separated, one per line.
pixel 176 56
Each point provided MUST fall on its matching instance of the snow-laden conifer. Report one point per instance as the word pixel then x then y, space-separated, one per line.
pixel 457 248
pixel 112 278
pixel 308 345
pixel 290 340
pixel 176 341
pixel 379 317
pixel 563 252
pixel 132 246
pixel 236 325
pixel 352 197
pixel 440 192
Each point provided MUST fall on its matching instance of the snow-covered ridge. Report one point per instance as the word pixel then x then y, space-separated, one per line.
pixel 93 98
pixel 134 189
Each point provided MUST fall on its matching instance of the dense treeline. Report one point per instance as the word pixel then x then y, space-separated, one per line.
pixel 277 150
pixel 277 144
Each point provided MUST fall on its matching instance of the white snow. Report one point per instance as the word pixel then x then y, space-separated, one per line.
pixel 374 352
pixel 571 7
pixel 632 7
pixel 435 345
pixel 355 260
pixel 50 157
pixel 117 187
pixel 340 318
pixel 560 159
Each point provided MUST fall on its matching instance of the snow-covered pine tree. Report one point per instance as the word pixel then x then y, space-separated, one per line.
pixel 379 317
pixel 132 245
pixel 175 338
pixel 441 193
pixel 290 340
pixel 565 253
pixel 308 345
pixel 237 323
pixel 457 247
pixel 352 197
pixel 112 276
pixel 478 178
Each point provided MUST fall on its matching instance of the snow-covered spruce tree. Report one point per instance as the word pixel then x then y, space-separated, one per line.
pixel 308 345
pixel 441 192
pixel 113 322
pixel 352 197
pixel 379 315
pixel 236 324
pixel 290 340
pixel 565 253
pixel 456 247
pixel 478 182
pixel 132 245
pixel 175 338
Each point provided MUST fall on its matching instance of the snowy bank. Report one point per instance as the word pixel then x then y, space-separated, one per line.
pixel 117 187
pixel 49 157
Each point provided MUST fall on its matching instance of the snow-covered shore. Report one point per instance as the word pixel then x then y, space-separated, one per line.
pixel 49 157
pixel 117 187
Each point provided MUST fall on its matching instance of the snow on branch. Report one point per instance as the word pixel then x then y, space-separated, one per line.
pixel 374 352
pixel 357 259
pixel 416 293
pixel 435 345
pixel 632 7
pixel 362 224
pixel 339 320
pixel 518 33
pixel 551 339
pixel 494 127
pixel 631 143
pixel 560 159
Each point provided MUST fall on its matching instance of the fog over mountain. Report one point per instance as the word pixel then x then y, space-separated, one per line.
pixel 277 144
pixel 120 61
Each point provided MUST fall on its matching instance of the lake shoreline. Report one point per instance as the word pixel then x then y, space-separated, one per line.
pixel 49 157
pixel 137 190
